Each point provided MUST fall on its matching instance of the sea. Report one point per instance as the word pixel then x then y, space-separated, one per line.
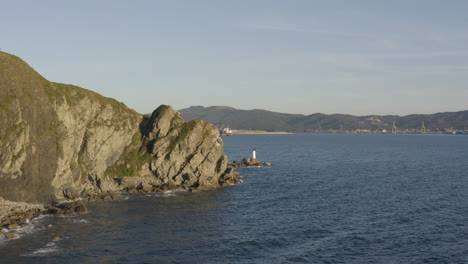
pixel 326 198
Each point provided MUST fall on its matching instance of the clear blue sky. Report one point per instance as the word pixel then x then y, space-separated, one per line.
pixel 356 57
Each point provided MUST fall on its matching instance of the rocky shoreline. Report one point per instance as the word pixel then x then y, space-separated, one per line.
pixel 248 162
pixel 67 143
pixel 17 215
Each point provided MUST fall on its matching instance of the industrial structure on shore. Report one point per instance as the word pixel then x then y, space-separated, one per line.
pixel 395 130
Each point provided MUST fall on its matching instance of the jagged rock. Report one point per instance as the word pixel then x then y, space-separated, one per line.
pixel 230 177
pixel 71 193
pixel 80 208
pixel 248 162
pixel 53 210
pixel 129 183
pixel 14 217
pixel 5 222
pixel 68 209
pixel 147 188
pixel 13 226
pixel 107 197
pixel 174 153
pixel 188 155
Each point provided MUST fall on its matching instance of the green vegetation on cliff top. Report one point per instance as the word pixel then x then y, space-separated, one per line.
pixel 134 156
pixel 16 69
pixel 184 131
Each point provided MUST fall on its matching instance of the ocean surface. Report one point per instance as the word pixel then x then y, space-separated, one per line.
pixel 327 198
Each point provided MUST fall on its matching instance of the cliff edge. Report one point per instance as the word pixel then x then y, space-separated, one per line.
pixel 60 141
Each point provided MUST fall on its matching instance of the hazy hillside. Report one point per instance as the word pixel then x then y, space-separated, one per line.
pixel 240 119
pixel 271 121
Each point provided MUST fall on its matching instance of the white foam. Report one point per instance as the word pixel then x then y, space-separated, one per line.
pixel 2 239
pixel 84 221
pixel 39 218
pixel 27 230
pixel 161 194
pixel 43 251
pixel 31 228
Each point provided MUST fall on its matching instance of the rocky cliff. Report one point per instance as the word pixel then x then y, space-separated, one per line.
pixel 61 141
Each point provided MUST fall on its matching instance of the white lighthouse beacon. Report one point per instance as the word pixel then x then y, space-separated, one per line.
pixel 254 154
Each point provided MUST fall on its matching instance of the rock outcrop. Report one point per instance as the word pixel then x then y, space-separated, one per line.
pixel 172 154
pixel 75 208
pixel 248 162
pixel 61 142
pixel 185 154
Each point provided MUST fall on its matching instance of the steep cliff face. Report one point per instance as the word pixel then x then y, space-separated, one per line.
pixel 93 132
pixel 174 153
pixel 60 140
pixel 28 133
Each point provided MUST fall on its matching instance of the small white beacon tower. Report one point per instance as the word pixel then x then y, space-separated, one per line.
pixel 254 154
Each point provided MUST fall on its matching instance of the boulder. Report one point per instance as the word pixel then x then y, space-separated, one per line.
pixel 13 226
pixel 14 217
pixel 71 193
pixel 107 197
pixel 147 188
pixel 11 235
pixel 5 221
pixel 68 209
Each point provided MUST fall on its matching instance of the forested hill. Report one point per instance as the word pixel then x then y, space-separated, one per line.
pixel 272 121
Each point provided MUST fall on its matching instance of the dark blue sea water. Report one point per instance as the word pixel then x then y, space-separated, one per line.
pixel 326 199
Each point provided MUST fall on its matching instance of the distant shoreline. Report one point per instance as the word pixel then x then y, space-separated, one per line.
pixel 261 132
pixel 264 120
pixel 258 132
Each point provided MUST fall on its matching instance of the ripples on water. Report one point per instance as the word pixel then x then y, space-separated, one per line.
pixel 326 199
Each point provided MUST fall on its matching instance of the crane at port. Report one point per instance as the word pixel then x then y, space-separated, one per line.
pixel 423 128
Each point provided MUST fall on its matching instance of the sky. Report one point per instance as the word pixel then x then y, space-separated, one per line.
pixel 352 57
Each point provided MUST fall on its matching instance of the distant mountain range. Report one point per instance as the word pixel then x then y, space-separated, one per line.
pixel 272 121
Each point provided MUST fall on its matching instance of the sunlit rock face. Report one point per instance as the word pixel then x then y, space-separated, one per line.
pixel 59 141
